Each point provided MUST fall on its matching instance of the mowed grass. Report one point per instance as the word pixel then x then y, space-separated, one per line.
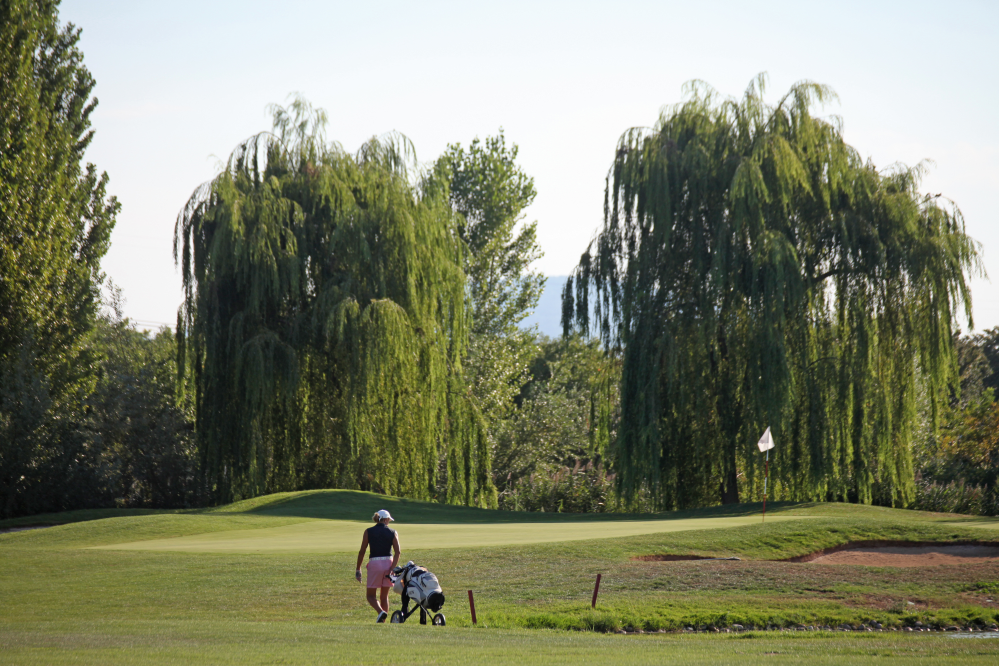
pixel 71 595
pixel 250 644
pixel 329 536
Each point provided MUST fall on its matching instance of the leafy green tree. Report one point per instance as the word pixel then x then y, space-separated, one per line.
pixel 580 488
pixel 490 191
pixel 551 453
pixel 759 273
pixel 973 368
pixel 963 461
pixel 958 464
pixel 325 322
pixel 141 435
pixel 988 342
pixel 566 416
pixel 55 226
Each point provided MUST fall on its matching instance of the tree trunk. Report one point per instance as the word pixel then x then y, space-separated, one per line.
pixel 730 488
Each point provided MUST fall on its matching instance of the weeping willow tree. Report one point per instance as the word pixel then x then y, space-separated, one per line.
pixel 758 272
pixel 324 322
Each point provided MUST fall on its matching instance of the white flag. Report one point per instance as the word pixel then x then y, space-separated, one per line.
pixel 766 442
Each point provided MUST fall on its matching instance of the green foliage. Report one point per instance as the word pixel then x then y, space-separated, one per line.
pixel 55 226
pixel 974 370
pixel 580 489
pixel 958 464
pixel 489 191
pixel 141 434
pixel 551 453
pixel 960 467
pixel 991 587
pixel 325 322
pixel 583 369
pixel 988 343
pixel 129 445
pixel 759 273
pixel 969 443
pixel 953 497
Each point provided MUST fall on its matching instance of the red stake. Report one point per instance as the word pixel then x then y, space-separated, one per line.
pixel 596 588
pixel 471 604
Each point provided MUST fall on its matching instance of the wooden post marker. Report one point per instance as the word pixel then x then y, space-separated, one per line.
pixel 471 605
pixel 596 588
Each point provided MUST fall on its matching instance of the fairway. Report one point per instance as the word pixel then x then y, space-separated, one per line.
pixel 271 580
pixel 312 643
pixel 328 536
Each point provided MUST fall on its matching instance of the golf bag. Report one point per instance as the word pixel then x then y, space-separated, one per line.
pixel 417 584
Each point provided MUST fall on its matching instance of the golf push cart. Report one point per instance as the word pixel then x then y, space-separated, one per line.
pixel 422 587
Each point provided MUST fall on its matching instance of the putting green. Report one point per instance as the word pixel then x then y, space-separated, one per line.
pixel 983 523
pixel 326 536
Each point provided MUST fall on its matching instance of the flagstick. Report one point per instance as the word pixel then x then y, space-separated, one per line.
pixel 766 476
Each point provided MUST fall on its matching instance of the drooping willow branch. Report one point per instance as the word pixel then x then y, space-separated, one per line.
pixel 325 322
pixel 741 243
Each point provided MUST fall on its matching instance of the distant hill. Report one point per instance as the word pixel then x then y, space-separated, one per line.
pixel 548 315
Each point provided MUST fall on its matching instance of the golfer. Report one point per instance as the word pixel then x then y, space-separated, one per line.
pixel 383 540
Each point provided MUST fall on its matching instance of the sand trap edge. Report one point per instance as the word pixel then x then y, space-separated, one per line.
pixel 885 543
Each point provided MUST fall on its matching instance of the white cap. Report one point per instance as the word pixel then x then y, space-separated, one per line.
pixel 383 514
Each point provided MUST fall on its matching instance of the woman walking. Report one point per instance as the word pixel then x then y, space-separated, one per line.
pixel 384 556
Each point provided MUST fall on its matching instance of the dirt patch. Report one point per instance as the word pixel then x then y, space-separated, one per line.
pixel 683 558
pixel 904 554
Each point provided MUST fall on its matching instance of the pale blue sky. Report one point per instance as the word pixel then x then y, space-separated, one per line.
pixel 181 83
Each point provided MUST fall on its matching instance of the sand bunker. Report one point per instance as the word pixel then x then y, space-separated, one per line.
pixel 882 554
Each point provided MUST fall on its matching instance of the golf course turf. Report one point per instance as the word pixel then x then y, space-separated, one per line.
pixel 270 581
pixel 329 536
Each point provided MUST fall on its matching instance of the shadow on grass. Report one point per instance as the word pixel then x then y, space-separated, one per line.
pixel 360 506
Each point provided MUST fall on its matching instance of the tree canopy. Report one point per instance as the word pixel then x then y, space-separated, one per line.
pixel 758 272
pixel 489 191
pixel 55 226
pixel 325 320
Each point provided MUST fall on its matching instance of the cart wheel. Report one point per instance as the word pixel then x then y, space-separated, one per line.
pixel 397 617
pixel 439 620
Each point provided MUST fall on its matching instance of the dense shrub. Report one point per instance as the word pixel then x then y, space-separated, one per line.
pixel 549 453
pixel 959 468
pixel 953 497
pixel 580 489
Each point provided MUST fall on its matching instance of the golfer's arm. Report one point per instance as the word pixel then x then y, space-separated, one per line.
pixel 360 553
pixel 397 549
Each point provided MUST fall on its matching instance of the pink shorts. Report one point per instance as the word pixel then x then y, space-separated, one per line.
pixel 378 567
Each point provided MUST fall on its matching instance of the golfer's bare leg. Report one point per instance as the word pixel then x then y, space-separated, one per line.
pixel 385 601
pixel 372 591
